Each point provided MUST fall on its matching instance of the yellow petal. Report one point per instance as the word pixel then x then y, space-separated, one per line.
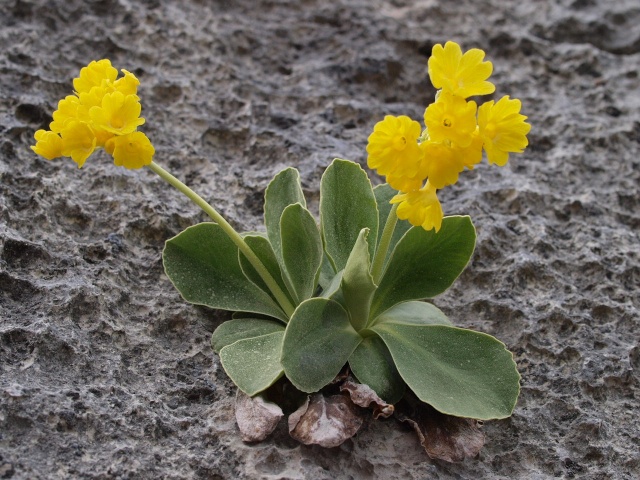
pixel 132 151
pixel 118 114
pixel 393 149
pixel 78 141
pixel 127 84
pixel 460 74
pixel 48 144
pixel 95 74
pixel 451 118
pixel 443 165
pixel 503 129
pixel 68 109
pixel 421 208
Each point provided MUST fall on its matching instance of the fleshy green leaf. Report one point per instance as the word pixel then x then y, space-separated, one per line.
pixel 458 372
pixel 414 313
pixel 253 233
pixel 384 193
pixel 301 249
pixel 333 286
pixel 284 190
pixel 254 363
pixel 202 263
pixel 327 273
pixel 318 342
pixel 347 205
pixel 424 263
pixel 262 248
pixel 237 315
pixel 372 365
pixel 240 329
pixel 357 282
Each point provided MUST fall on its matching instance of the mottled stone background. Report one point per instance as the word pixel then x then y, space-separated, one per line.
pixel 106 373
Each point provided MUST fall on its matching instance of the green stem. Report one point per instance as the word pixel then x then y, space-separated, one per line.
pixel 383 246
pixel 231 233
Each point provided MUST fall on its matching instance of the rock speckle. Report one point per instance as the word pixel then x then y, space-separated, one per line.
pixel 106 373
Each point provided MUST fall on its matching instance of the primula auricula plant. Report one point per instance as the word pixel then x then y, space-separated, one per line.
pixel 313 299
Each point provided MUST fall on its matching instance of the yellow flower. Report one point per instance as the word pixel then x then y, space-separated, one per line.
pixel 92 98
pixel 67 110
pixel 119 114
pixel 472 155
pixel 127 84
pixel 48 144
pixel 461 75
pixel 406 184
pixel 503 129
pixel 394 152
pixel 131 151
pixel 96 74
pixel 105 112
pixel 443 163
pixel 451 118
pixel 421 207
pixel 102 136
pixel 78 141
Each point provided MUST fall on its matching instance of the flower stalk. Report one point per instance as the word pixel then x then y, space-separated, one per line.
pixel 383 246
pixel 235 237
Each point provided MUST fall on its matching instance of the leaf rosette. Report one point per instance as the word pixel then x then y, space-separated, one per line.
pixel 381 328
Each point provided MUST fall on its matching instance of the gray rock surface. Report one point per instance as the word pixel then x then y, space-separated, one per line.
pixel 106 373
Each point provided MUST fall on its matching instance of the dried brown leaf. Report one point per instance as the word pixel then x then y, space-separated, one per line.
pixel 325 421
pixel 444 437
pixel 342 376
pixel 256 418
pixel 364 396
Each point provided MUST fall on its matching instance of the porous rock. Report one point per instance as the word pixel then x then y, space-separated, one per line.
pixel 105 372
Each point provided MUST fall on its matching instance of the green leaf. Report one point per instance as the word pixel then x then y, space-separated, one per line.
pixel 327 273
pixel 458 372
pixel 253 233
pixel 372 365
pixel 240 329
pixel 262 248
pixel 254 363
pixel 317 343
pixel 284 190
pixel 301 249
pixel 202 263
pixel 424 263
pixel 357 283
pixel 333 286
pixel 414 313
pixel 237 315
pixel 347 205
pixel 384 193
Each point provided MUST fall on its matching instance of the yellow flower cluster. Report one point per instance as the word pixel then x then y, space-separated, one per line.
pixel 103 113
pixel 457 131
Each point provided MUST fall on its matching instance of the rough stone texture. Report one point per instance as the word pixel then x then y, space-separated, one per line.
pixel 106 373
